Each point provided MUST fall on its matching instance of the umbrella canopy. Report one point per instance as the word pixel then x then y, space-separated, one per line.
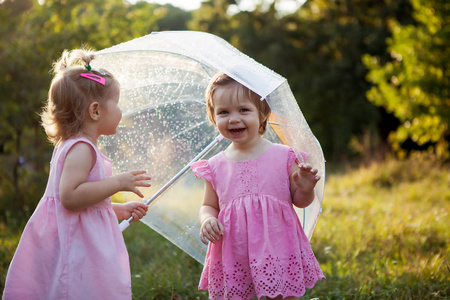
pixel 163 79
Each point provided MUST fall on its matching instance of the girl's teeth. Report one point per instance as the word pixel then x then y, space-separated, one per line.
pixel 237 130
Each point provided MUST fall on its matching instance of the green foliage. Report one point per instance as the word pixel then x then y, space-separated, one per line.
pixel 22 144
pixel 159 269
pixel 32 37
pixel 383 232
pixel 174 18
pixel 212 17
pixel 318 49
pixel 329 77
pixel 9 239
pixel 414 84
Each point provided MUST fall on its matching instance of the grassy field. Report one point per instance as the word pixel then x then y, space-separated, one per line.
pixel 384 234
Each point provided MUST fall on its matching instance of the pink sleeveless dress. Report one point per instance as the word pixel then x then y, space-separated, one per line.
pixel 65 254
pixel 264 251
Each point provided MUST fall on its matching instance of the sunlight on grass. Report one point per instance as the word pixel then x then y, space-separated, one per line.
pixel 383 234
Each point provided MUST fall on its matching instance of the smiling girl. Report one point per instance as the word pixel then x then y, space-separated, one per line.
pixel 257 246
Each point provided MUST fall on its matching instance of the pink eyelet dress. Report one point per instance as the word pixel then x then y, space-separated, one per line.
pixel 264 251
pixel 65 254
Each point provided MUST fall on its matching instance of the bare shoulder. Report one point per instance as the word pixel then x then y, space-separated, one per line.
pixel 80 153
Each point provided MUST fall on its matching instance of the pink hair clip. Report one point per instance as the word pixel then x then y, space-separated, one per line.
pixel 94 77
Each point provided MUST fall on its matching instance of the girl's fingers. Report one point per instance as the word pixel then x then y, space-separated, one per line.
pixel 214 236
pixel 142 211
pixel 138 172
pixel 142 177
pixel 310 169
pixel 139 213
pixel 210 234
pixel 138 192
pixel 142 183
pixel 205 238
pixel 305 167
pixel 218 229
pixel 202 238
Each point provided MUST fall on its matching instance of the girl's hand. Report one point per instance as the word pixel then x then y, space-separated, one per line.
pixel 124 211
pixel 306 177
pixel 303 180
pixel 211 230
pixel 128 181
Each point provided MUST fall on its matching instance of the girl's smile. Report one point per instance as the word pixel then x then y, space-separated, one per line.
pixel 236 131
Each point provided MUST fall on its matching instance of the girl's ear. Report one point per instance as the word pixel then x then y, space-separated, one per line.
pixel 94 111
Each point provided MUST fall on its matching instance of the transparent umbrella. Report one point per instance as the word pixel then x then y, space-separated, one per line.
pixel 165 127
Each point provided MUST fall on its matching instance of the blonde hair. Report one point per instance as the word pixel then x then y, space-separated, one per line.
pixel 70 94
pixel 222 80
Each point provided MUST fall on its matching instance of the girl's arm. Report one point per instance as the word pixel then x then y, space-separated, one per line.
pixel 303 179
pixel 134 209
pixel 211 228
pixel 76 193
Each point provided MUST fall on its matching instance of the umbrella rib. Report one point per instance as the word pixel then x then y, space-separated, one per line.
pixel 125 223
pixel 169 183
pixel 281 124
pixel 188 129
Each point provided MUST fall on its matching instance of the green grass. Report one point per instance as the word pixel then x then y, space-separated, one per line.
pixel 159 269
pixel 384 234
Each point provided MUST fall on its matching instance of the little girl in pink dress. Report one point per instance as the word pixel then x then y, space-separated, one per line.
pixel 72 247
pixel 257 245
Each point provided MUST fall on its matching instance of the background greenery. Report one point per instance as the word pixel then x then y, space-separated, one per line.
pixel 371 78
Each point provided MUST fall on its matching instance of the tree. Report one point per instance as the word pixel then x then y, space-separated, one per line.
pixel 328 77
pixel 414 84
pixel 32 36
pixel 213 17
pixel 174 19
pixel 21 154
pixel 319 50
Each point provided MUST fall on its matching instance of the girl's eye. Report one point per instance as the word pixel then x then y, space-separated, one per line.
pixel 222 112
pixel 244 109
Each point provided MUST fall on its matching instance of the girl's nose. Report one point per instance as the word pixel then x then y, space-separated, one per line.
pixel 234 119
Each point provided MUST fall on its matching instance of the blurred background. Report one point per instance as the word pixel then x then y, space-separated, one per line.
pixel 371 78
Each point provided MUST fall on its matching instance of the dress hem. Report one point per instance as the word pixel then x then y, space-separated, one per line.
pixel 272 296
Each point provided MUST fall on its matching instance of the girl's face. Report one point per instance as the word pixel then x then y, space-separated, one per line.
pixel 113 114
pixel 237 117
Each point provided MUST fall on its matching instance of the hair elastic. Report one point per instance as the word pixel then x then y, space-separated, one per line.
pixel 94 77
pixel 88 67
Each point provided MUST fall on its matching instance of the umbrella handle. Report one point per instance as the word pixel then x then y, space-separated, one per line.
pixel 125 223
